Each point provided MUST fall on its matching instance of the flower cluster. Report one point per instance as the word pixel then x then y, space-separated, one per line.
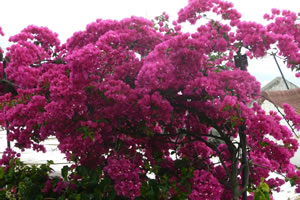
pixel 286 29
pixel 7 155
pixel 292 115
pixel 125 175
pixel 205 186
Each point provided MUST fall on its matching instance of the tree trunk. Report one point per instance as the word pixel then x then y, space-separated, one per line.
pixel 235 190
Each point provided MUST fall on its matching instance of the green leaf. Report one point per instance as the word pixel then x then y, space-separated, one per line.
pixel 50 162
pixel 262 192
pixel 82 171
pixel 62 197
pixel 112 195
pixel 11 172
pixel 293 181
pixel 104 184
pixel 64 172
pixel 225 36
pixel 164 188
pixel 1 172
pixel 154 190
pixel 263 143
pixel 11 162
pixel 265 187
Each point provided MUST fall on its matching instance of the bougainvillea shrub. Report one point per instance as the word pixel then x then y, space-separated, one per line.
pixel 162 113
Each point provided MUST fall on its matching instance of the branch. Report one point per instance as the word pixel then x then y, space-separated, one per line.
pixel 213 147
pixel 245 164
pixel 9 83
pixel 40 62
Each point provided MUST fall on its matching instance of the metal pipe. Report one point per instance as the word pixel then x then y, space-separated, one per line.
pixel 274 55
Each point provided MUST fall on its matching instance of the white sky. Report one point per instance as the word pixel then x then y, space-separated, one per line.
pixel 67 16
